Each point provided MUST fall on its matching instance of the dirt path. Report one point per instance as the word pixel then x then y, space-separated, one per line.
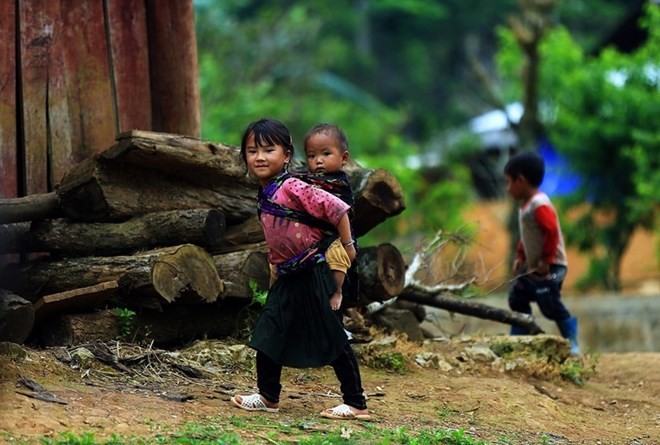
pixel 620 404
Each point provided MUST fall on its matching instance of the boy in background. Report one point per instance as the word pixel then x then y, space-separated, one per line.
pixel 540 262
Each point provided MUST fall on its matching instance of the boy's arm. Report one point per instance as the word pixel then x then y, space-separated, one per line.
pixel 519 261
pixel 546 218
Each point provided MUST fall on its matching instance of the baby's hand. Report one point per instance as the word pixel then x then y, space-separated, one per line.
pixel 335 300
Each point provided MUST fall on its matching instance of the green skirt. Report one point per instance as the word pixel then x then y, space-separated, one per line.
pixel 297 327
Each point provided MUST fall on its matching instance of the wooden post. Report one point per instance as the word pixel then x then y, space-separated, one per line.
pixel 129 50
pixel 8 110
pixel 173 67
pixel 36 38
pixel 79 105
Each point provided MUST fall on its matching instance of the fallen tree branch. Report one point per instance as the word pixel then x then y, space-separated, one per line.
pixel 418 295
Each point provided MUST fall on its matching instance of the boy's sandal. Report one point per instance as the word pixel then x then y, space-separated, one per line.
pixel 253 403
pixel 343 412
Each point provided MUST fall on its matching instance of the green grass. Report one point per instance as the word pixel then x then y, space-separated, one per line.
pixel 390 361
pixel 238 430
pixel 579 369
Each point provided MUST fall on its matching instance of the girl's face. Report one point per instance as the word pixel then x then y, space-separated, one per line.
pixel 265 161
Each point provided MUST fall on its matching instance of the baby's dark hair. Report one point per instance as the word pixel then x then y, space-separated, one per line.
pixel 329 130
pixel 267 131
pixel 527 164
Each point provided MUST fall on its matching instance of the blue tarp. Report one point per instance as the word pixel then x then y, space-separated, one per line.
pixel 559 180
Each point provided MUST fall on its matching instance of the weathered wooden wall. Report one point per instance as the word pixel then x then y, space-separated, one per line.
pixel 75 73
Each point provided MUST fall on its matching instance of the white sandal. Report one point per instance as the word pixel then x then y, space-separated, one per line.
pixel 343 412
pixel 253 403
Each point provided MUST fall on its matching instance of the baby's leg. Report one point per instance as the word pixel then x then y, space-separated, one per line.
pixel 339 262
pixel 335 299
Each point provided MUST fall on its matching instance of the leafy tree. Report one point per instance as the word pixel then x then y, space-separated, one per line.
pixel 393 74
pixel 262 64
pixel 601 114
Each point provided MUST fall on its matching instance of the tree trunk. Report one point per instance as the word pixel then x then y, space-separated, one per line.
pixel 29 208
pixel 378 196
pixel 101 191
pixel 381 271
pixel 238 236
pixel 202 227
pixel 187 272
pixel 16 317
pixel 619 238
pixel 15 238
pixel 480 310
pixel 238 269
pixel 193 160
pixel 175 271
pixel 176 325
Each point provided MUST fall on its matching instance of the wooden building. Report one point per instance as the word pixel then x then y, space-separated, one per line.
pixel 76 73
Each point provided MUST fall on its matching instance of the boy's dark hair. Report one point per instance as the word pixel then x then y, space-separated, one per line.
pixel 267 131
pixel 329 130
pixel 527 164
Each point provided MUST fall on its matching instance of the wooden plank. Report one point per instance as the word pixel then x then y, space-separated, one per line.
pixel 76 300
pixel 127 29
pixel 8 140
pixel 80 101
pixel 36 36
pixel 173 65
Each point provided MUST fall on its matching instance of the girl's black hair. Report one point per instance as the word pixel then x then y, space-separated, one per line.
pixel 267 131
pixel 527 164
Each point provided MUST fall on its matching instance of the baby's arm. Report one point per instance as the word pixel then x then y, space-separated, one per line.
pixel 344 229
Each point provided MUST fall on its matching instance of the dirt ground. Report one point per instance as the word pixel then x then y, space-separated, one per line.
pixel 618 404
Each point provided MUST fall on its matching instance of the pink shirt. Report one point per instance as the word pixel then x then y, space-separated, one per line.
pixel 286 238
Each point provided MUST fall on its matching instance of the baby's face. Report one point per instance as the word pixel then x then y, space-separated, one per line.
pixel 324 154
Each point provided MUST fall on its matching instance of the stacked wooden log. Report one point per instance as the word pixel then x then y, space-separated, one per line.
pixel 164 226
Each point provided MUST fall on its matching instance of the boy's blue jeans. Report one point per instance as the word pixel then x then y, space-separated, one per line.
pixel 546 292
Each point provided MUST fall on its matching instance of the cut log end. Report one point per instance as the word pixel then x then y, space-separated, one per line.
pixel 189 272
pixel 391 269
pixel 381 271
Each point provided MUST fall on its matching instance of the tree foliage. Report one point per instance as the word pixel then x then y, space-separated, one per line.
pixel 601 114
pixel 393 74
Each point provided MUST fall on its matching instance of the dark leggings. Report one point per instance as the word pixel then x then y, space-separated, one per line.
pixel 345 366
